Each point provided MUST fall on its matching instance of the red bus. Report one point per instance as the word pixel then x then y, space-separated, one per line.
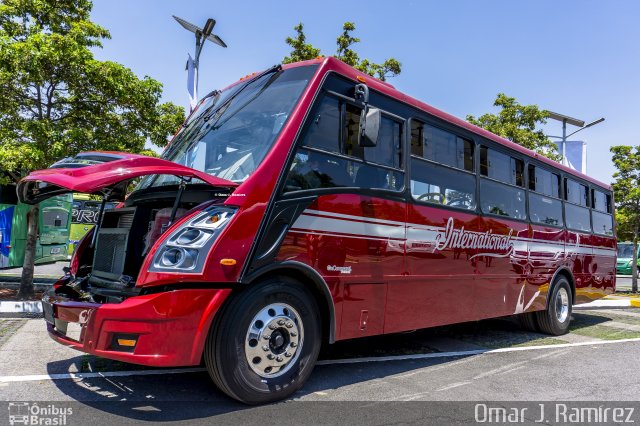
pixel 312 203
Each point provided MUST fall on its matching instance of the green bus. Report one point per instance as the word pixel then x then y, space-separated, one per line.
pixel 53 237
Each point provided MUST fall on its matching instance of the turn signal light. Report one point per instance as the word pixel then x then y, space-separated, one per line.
pixel 124 342
pixel 228 262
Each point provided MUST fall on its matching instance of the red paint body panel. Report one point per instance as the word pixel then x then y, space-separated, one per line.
pixel 92 179
pixel 172 326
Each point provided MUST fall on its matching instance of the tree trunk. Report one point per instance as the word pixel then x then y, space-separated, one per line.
pixel 634 264
pixel 26 282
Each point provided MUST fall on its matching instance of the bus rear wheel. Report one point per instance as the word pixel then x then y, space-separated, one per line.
pixel 556 318
pixel 266 342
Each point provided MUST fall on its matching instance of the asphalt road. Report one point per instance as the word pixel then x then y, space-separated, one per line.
pixel 343 391
pixel 623 283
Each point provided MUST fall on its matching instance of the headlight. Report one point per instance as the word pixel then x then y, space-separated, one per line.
pixel 186 248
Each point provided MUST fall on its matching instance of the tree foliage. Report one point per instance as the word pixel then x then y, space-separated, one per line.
pixel 57 100
pixel 518 123
pixel 302 51
pixel 626 188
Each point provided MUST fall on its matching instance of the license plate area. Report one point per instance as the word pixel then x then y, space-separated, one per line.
pixel 55 250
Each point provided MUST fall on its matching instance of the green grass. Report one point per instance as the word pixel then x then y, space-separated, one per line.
pixel 606 333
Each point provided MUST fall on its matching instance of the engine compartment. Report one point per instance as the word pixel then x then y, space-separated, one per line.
pixel 108 270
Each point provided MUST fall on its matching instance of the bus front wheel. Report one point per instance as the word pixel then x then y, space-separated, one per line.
pixel 556 318
pixel 266 342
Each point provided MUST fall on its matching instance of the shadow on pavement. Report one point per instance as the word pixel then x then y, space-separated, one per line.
pixel 192 396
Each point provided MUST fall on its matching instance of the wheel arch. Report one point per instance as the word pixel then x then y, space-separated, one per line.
pixel 309 278
pixel 565 272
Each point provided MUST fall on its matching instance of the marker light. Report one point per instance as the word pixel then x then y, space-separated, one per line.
pixel 228 262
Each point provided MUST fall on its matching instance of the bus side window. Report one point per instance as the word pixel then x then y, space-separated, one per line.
pixel 436 184
pixel 323 159
pixel 499 166
pixel 324 130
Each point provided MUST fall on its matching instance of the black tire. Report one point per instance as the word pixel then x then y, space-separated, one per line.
pixel 228 348
pixel 528 321
pixel 554 320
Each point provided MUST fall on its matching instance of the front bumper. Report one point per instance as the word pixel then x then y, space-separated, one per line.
pixel 171 327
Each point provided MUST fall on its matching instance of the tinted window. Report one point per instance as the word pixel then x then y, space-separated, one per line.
pixel 545 210
pixel 311 170
pixel 575 192
pixel 602 223
pixel 544 182
pixel 324 130
pixel 446 148
pixel 417 138
pixel 577 218
pixel 601 201
pixel 441 185
pixel 503 200
pixel 387 150
pixel 502 167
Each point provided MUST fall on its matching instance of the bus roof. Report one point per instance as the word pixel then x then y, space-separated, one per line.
pixel 333 64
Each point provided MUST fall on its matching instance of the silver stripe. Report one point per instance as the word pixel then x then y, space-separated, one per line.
pixel 326 224
pixel 384 229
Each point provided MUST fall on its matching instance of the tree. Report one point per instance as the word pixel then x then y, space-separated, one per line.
pixel 303 51
pixel 57 100
pixel 518 123
pixel 626 188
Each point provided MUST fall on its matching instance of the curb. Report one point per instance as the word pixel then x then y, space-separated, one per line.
pixel 21 307
pixel 39 284
pixel 10 279
pixel 608 304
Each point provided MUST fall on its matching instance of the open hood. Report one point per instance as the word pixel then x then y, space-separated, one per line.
pixel 106 178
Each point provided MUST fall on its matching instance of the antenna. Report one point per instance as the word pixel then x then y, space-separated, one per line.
pixel 201 34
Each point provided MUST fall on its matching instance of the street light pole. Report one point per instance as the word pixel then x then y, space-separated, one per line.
pixel 565 119
pixel 201 34
pixel 564 142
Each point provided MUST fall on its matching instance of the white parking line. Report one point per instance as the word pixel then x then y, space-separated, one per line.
pixel 105 374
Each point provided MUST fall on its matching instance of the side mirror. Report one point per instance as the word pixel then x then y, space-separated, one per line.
pixel 369 119
pixel 369 127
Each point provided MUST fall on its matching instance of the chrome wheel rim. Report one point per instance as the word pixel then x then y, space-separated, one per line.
pixel 274 340
pixel 562 304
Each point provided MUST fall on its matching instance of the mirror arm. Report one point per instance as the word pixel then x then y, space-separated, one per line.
pixel 362 94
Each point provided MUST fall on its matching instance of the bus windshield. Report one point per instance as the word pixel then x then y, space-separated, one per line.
pixel 231 131
pixel 625 250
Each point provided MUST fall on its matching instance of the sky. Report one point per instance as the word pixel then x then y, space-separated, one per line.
pixel 580 58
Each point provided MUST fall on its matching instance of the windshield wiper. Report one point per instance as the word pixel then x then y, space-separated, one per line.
pixel 220 109
pixel 226 104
